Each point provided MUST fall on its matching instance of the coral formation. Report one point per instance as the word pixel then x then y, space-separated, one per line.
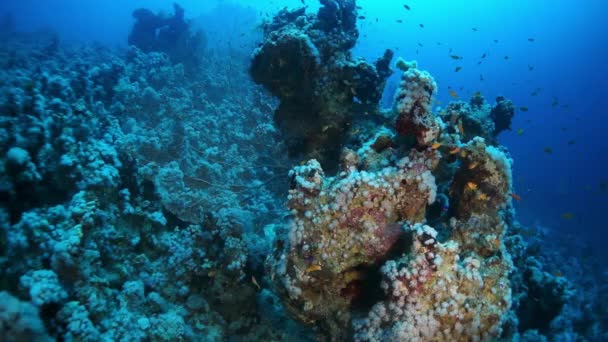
pixel 478 119
pixel 305 61
pixel 172 35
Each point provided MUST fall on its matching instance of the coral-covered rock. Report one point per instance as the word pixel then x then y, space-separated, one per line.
pixel 413 106
pixel 342 227
pixel 478 118
pixel 305 61
pixel 433 293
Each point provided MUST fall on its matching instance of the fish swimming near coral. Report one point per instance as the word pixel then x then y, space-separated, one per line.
pixel 460 128
pixel 455 150
pixel 515 197
pixel 313 268
pixel 453 94
pixel 523 109
pixel 472 186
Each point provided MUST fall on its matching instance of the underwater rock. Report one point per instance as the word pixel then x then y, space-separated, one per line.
pixel 343 228
pixel 413 106
pixel 172 35
pixel 305 61
pixel 478 119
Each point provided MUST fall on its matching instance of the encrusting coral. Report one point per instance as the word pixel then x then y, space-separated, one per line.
pixel 351 229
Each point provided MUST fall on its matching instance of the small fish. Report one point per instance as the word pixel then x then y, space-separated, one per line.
pixel 531 39
pixel 482 197
pixel 515 197
pixel 548 150
pixel 453 94
pixel 313 268
pixel 567 216
pixel 481 77
pixel 495 40
pixel 420 44
pixel 361 17
pixel 421 26
pixel 523 109
pixel 520 131
pixel 555 102
pixel 483 56
pixel 358 7
pixel 463 153
pixel 571 142
pixel 457 69
pixel 471 186
pixel 564 129
pixel 506 58
pixel 473 165
pixel 455 150
pixel 407 7
pixel 456 57
pixel 400 21
pixel 436 146
pixel 253 280
pixel 558 274
pixel 530 68
pixel 474 29
pixel 460 128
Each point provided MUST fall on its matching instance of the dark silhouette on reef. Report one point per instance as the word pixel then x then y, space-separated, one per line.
pixel 305 61
pixel 172 35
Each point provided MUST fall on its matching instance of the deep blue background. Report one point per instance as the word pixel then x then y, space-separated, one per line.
pixel 569 56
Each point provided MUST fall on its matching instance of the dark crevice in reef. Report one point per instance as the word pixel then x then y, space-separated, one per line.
pixel 366 291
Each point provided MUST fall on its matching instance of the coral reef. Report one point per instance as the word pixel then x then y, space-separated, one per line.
pixel 305 61
pixel 133 206
pixel 478 119
pixel 363 230
pixel 140 201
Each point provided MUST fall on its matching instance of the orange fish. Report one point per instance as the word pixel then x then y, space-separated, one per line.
pixel 471 186
pixel 455 150
pixel 483 197
pixel 313 268
pixel 515 196
pixel 460 128
pixel 436 146
pixel 453 94
pixel 473 165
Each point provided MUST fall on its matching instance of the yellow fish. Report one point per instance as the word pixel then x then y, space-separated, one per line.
pixel 436 146
pixel 483 197
pixel 471 186
pixel 455 150
pixel 313 268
